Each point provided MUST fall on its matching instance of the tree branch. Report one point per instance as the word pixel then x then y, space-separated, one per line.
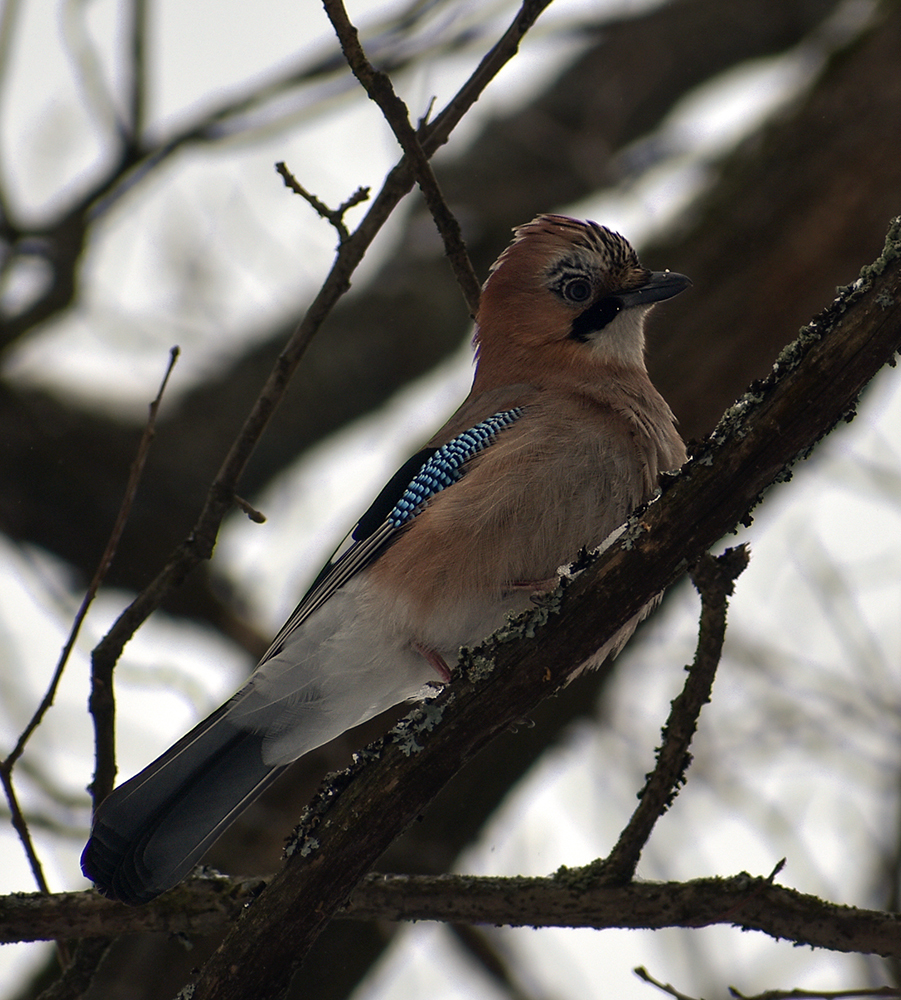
pixel 335 216
pixel 60 244
pixel 101 688
pixel 379 87
pixel 101 703
pixel 714 579
pixel 814 384
pixel 204 905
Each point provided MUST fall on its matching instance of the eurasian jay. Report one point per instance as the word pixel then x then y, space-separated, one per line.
pixel 562 435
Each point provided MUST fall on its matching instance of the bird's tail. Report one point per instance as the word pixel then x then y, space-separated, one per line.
pixel 151 831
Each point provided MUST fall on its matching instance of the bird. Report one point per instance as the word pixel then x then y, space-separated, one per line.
pixel 561 436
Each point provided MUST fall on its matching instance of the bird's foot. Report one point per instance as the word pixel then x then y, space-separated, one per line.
pixel 436 661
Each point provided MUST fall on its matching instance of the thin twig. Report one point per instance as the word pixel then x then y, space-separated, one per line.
pixel 239 116
pixel 714 579
pixel 6 766
pixel 20 825
pixel 643 973
pixel 105 748
pixel 101 702
pixel 378 86
pixel 255 515
pixel 333 215
pixel 137 83
pixel 878 991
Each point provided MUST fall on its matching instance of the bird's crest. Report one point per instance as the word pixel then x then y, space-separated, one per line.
pixel 546 236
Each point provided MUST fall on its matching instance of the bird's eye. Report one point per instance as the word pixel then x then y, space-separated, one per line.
pixel 577 290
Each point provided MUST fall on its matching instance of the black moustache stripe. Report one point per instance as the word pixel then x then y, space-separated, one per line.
pixel 595 318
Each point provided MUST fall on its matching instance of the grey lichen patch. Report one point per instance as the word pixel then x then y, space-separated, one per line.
pixel 478 663
pixel 736 416
pixel 890 253
pixel 478 667
pixel 635 530
pixel 303 839
pixel 368 754
pixel 784 476
pixel 733 423
pixel 304 846
pixel 422 719
pixel 525 624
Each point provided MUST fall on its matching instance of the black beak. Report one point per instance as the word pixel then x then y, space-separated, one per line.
pixel 659 286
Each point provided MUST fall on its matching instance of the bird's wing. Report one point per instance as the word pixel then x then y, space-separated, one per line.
pixel 428 472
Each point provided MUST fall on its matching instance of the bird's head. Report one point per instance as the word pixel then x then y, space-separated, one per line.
pixel 566 293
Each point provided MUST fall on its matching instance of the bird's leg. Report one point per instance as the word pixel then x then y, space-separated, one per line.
pixel 436 661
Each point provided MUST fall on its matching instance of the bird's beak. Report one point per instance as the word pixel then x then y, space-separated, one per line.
pixel 659 286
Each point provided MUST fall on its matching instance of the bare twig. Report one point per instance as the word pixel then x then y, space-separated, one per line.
pixel 879 991
pixel 333 215
pixel 20 825
pixel 380 89
pixel 101 703
pixel 255 515
pixel 137 83
pixel 643 973
pixel 64 237
pixel 103 731
pixel 104 713
pixel 714 579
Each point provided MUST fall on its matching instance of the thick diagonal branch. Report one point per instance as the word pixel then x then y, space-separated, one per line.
pixel 813 386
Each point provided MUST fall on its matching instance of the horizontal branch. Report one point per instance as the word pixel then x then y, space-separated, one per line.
pixel 563 900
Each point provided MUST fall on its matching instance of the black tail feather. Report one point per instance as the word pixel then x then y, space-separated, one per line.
pixel 152 830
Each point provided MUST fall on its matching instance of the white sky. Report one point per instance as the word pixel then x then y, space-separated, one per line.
pixel 840 516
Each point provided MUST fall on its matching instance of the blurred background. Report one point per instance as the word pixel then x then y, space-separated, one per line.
pixel 751 144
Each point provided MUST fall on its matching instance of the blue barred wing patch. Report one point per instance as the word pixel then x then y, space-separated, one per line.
pixel 445 466
pixel 442 468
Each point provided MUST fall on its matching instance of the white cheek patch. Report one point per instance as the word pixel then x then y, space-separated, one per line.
pixel 622 340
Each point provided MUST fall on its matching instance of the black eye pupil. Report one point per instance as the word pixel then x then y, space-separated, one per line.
pixel 578 290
